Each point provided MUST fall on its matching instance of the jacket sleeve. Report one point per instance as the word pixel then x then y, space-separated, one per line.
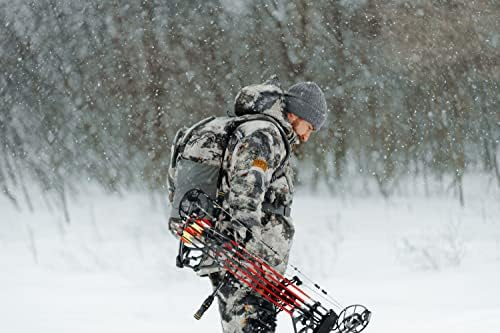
pixel 256 154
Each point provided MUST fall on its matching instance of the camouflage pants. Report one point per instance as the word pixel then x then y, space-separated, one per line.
pixel 243 310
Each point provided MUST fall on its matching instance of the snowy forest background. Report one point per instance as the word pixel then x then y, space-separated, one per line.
pixel 398 200
pixel 93 91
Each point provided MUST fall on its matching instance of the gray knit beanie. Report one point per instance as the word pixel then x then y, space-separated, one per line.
pixel 307 101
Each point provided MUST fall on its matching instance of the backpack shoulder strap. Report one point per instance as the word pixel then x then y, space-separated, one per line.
pixel 280 170
pixel 251 117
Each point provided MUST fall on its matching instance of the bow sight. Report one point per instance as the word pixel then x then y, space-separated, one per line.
pixel 200 239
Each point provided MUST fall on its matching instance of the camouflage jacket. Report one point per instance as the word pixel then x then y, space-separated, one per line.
pixel 255 171
pixel 253 154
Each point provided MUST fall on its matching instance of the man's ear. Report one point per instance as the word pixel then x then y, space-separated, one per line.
pixel 291 117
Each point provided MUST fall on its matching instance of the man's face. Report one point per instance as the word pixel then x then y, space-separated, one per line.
pixel 302 127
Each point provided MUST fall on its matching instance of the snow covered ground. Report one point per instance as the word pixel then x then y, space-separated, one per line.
pixel 420 264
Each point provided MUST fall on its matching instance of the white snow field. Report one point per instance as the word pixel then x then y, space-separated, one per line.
pixel 421 264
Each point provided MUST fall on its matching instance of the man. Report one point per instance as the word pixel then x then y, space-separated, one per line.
pixel 258 183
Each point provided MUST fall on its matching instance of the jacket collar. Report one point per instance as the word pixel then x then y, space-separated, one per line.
pixel 277 112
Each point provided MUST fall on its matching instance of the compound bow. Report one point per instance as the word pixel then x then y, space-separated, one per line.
pixel 200 239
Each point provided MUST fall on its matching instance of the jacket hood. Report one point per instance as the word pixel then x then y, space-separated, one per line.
pixel 265 98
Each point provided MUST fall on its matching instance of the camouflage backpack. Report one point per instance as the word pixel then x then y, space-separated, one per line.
pixel 198 152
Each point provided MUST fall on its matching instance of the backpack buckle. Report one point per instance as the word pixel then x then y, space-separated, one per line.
pixel 287 210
